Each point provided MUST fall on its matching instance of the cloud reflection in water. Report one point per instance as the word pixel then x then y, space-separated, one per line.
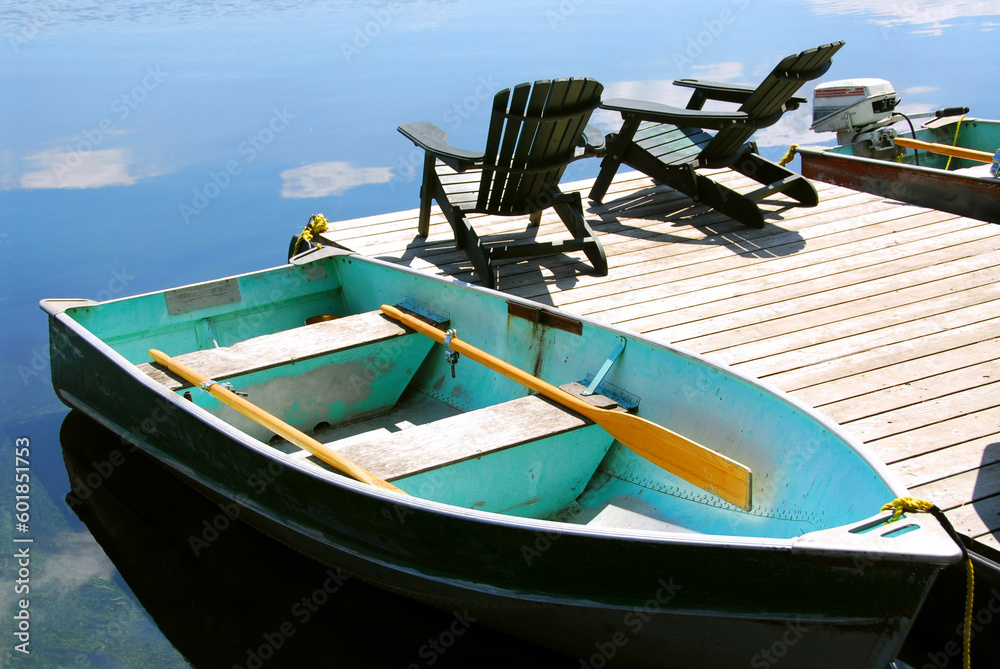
pixel 58 168
pixel 329 178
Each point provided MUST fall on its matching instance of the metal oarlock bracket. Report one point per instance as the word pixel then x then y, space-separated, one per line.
pixel 225 384
pixel 450 355
pixel 603 371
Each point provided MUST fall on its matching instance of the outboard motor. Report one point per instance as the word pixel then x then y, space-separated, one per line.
pixel 862 111
pixel 856 109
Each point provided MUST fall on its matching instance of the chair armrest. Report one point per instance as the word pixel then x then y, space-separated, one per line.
pixel 591 143
pixel 654 111
pixel 717 90
pixel 725 92
pixel 434 140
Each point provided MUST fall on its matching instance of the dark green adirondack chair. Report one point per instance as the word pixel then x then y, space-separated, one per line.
pixel 668 143
pixel 535 131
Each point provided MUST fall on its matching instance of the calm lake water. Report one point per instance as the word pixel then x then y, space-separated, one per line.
pixel 144 146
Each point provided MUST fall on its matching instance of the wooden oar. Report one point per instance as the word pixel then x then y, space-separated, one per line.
pixel 271 422
pixel 689 460
pixel 944 149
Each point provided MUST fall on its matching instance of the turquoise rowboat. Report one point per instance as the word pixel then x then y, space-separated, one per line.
pixel 525 514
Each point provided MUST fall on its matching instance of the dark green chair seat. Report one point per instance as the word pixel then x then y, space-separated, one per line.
pixel 669 144
pixel 535 131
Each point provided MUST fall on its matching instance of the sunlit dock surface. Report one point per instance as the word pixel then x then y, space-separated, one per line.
pixel 885 316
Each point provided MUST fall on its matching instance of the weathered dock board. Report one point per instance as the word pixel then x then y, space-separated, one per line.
pixel 884 316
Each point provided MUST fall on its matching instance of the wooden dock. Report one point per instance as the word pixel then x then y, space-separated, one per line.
pixel 884 316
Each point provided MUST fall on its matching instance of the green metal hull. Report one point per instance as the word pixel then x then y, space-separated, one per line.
pixel 640 568
pixel 961 187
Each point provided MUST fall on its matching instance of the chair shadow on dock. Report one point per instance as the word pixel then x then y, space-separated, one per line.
pixel 648 221
pixel 660 204
pixel 986 493
pixel 561 271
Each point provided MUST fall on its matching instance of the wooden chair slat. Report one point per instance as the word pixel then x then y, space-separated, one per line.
pixel 529 135
pixel 492 196
pixel 556 138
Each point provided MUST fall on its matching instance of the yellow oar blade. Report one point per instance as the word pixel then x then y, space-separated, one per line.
pixel 696 464
pixel 944 149
pixel 273 423
pixel 699 465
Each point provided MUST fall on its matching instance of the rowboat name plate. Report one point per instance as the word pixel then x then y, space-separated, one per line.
pixel 202 296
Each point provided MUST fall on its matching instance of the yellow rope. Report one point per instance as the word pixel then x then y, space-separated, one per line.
pixel 317 224
pixel 913 505
pixel 789 156
pixel 954 142
pixel 970 583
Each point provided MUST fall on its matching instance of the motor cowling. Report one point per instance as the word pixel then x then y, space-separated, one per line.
pixel 852 106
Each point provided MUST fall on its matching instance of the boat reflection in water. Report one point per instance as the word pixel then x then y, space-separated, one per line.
pixel 227 596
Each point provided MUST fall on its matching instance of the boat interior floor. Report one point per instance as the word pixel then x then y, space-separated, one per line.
pixel 414 408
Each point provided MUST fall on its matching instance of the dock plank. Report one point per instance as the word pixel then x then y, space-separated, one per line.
pixel 907 370
pixel 833 349
pixel 979 520
pixel 948 461
pixel 954 491
pixel 892 423
pixel 892 320
pixel 733 323
pixel 753 278
pixel 911 393
pixel 945 431
pixel 873 360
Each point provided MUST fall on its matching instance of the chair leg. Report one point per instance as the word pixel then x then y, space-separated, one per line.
pixel 764 171
pixel 427 188
pixel 609 167
pixel 729 202
pixel 466 238
pixel 569 206
pixel 570 211
pixel 617 146
pixel 595 254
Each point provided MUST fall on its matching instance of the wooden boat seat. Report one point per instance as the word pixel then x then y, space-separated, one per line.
pixel 330 372
pixel 527 457
pixel 281 348
pixel 472 434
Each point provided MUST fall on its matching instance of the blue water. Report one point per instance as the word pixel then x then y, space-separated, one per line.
pixel 148 145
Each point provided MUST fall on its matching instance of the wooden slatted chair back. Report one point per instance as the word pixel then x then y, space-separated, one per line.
pixel 533 135
pixel 771 96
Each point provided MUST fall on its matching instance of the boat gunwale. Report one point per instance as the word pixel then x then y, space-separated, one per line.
pixel 824 153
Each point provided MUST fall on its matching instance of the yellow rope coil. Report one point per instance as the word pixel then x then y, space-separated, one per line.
pixel 789 156
pixel 911 504
pixel 901 505
pixel 317 224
